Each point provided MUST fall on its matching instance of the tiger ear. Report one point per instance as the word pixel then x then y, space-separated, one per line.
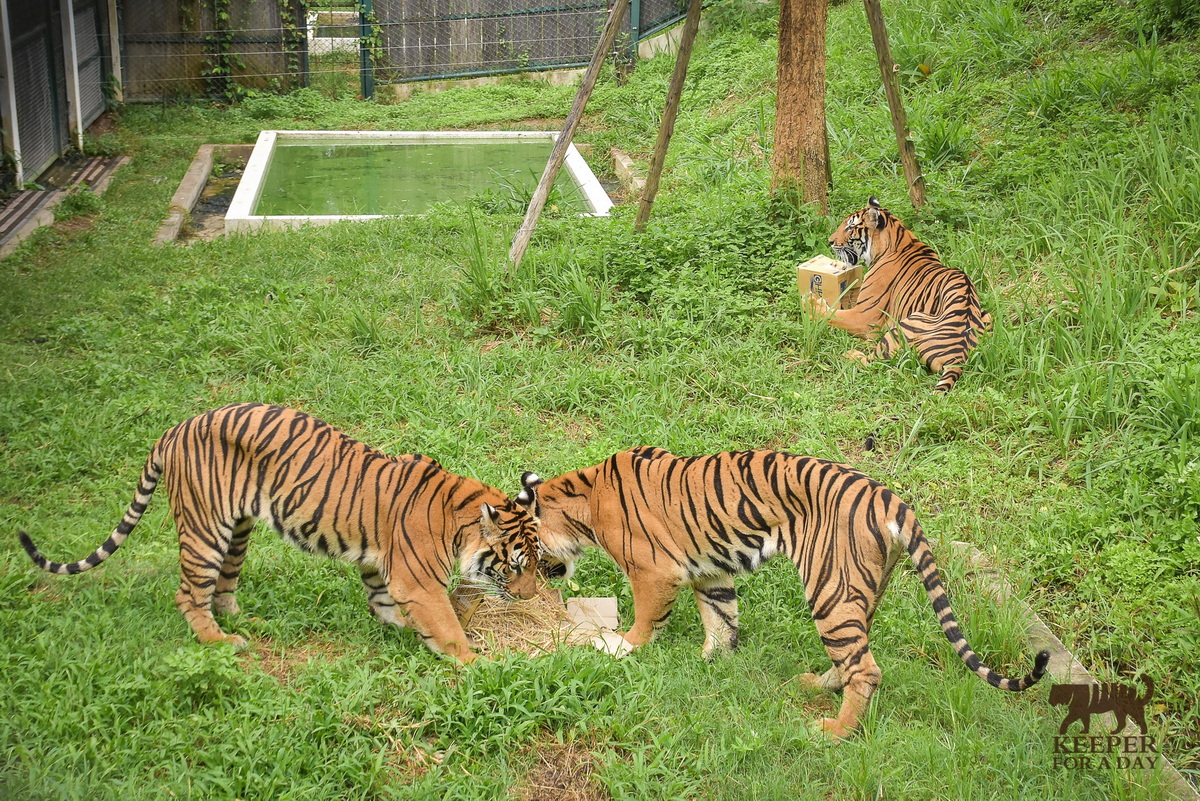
pixel 873 202
pixel 489 521
pixel 528 496
pixel 875 218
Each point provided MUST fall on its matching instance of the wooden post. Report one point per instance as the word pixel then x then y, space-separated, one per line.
pixel 674 93
pixel 891 87
pixel 800 168
pixel 538 201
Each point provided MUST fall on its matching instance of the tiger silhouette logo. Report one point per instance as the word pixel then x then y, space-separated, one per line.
pixel 1084 700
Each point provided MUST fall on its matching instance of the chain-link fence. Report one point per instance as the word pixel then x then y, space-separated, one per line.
pixel 428 39
pixel 221 48
pixel 211 47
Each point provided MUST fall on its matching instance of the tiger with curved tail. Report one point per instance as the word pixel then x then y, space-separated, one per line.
pixel 907 293
pixel 404 521
pixel 672 522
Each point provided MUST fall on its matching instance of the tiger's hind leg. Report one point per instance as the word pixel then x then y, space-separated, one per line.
pixel 200 561
pixel 224 600
pixel 942 344
pixel 843 630
pixel 717 600
pixel 831 680
pixel 383 606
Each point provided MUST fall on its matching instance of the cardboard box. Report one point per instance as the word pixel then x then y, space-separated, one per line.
pixel 833 280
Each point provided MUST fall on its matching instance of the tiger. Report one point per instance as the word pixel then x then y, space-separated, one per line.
pixel 670 521
pixel 404 521
pixel 907 293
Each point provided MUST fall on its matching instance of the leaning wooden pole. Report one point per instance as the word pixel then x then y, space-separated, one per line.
pixel 891 87
pixel 667 128
pixel 559 153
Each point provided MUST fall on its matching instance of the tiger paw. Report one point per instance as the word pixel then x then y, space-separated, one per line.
pixel 238 642
pixel 226 605
pixel 816 305
pixel 833 728
pixel 714 648
pixel 810 680
pixel 858 356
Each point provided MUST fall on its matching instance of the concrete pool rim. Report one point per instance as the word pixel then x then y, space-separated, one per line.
pixel 240 217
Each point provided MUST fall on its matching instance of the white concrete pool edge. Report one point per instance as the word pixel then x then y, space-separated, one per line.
pixel 239 217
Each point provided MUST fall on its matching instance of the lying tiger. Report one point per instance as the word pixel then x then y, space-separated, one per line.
pixel 404 520
pixel 907 293
pixel 671 522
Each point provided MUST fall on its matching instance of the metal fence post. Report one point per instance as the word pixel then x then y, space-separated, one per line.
pixel 635 28
pixel 301 43
pixel 366 32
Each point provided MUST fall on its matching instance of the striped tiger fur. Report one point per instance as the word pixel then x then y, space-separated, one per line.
pixel 405 521
pixel 907 293
pixel 670 522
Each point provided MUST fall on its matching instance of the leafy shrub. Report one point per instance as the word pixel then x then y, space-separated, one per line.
pixel 761 20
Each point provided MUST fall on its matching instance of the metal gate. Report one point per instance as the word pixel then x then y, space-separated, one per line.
pixel 41 92
pixel 91 61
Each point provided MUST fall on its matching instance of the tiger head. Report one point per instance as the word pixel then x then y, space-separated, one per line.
pixel 864 235
pixel 564 522
pixel 507 559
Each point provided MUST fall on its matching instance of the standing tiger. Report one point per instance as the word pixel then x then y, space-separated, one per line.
pixel 404 521
pixel 907 293
pixel 670 521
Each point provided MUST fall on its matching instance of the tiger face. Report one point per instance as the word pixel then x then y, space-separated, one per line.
pixel 562 528
pixel 861 236
pixel 507 560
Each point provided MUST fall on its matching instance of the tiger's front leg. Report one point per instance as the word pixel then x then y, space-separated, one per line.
pixel 431 615
pixel 653 599
pixel 380 600
pixel 862 321
pixel 716 598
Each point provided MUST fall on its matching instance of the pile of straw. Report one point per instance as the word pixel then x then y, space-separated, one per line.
pixel 534 627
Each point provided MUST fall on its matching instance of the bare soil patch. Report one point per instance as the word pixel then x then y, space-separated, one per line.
pixel 562 772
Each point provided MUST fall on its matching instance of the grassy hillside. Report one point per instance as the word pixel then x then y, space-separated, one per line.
pixel 1061 157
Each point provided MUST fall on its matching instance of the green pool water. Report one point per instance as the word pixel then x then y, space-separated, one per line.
pixel 311 178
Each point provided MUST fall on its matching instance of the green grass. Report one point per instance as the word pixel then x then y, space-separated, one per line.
pixel 1062 176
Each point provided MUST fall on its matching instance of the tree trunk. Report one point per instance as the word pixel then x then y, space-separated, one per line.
pixel 800 160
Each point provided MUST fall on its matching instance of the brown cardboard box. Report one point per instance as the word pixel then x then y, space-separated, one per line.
pixel 833 280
